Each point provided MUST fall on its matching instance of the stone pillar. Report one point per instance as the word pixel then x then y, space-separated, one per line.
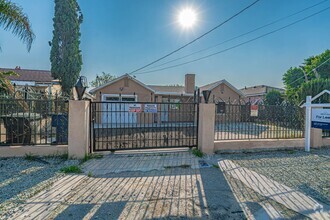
pixel 206 128
pixel 78 128
pixel 316 137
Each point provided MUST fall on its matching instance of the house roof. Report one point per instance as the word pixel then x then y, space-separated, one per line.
pixel 159 90
pixel 118 79
pixel 169 90
pixel 39 76
pixel 217 83
pixel 259 90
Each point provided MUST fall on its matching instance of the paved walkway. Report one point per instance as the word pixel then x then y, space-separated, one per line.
pixel 155 186
pixel 292 199
pixel 140 186
pixel 117 163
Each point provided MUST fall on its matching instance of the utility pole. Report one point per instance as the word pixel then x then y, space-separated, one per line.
pixel 316 74
pixel 305 74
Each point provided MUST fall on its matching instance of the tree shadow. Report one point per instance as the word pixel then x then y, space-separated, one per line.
pixel 25 177
pixel 174 193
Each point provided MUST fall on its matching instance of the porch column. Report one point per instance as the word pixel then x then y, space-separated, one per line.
pixel 78 128
pixel 206 127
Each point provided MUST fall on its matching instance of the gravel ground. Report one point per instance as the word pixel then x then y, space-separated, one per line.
pixel 20 179
pixel 308 172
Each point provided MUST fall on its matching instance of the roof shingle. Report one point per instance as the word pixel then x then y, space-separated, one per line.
pixel 168 89
pixel 38 76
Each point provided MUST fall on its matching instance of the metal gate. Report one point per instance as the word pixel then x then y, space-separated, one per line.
pixel 143 125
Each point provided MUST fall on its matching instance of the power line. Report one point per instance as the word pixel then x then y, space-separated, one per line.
pixel 180 48
pixel 241 35
pixel 237 45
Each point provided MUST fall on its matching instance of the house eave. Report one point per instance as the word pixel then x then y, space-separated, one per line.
pixel 174 93
pixel 93 91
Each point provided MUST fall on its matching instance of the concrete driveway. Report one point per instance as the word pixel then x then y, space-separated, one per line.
pixel 137 186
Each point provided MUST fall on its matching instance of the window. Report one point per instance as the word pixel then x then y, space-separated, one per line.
pixel 119 98
pixel 128 99
pixel 112 99
pixel 221 108
pixel 175 104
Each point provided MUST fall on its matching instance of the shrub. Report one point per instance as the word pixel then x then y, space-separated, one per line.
pixel 71 169
pixel 197 152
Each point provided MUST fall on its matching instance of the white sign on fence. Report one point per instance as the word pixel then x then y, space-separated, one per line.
pixel 134 108
pixel 321 118
pixel 150 108
pixel 254 110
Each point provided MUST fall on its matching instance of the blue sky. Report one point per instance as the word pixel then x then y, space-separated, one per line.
pixel 119 36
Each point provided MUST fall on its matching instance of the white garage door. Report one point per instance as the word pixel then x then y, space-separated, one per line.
pixel 116 111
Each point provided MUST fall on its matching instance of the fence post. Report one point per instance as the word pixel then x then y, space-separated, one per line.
pixel 79 126
pixel 308 119
pixel 206 127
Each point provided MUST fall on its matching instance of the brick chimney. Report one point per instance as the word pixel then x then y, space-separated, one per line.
pixel 189 84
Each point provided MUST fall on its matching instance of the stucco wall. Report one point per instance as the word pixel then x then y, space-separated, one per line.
pixel 119 87
pixel 181 112
pixel 223 92
pixel 233 145
pixel 326 141
pixel 21 151
pixel 126 86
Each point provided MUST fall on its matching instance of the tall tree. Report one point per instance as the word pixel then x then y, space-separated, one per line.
pixel 312 88
pixel 102 79
pixel 5 85
pixel 273 97
pixel 12 18
pixel 65 54
pixel 315 62
pixel 293 79
pixel 315 67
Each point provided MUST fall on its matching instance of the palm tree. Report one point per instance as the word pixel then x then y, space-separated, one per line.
pixel 12 18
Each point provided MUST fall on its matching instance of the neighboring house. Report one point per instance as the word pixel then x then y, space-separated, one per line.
pixel 38 81
pixel 257 94
pixel 128 89
pixel 222 91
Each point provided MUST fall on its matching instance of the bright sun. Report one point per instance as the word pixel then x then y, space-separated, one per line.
pixel 187 18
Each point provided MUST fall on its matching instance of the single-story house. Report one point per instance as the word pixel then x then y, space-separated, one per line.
pixel 128 89
pixel 222 91
pixel 38 81
pixel 257 94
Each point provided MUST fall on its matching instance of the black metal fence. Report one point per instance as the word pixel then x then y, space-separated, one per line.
pixel 140 125
pixel 325 133
pixel 246 121
pixel 33 122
